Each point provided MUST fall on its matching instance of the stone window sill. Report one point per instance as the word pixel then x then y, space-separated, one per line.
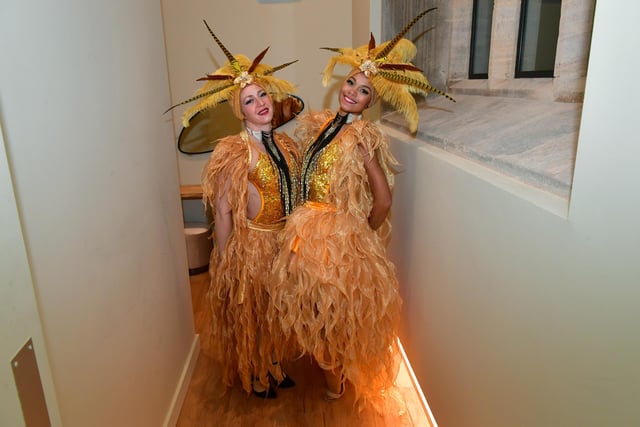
pixel 531 140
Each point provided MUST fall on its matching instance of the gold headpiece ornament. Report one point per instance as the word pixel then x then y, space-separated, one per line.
pixel 389 69
pixel 225 83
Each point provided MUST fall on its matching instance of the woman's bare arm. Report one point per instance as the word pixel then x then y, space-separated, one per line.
pixel 379 189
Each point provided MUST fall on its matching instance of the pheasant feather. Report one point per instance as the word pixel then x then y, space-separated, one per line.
pixel 333 49
pixel 199 96
pixel 278 68
pixel 401 34
pixel 228 54
pixel 418 85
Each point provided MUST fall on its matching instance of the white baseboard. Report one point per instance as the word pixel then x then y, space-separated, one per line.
pixel 183 384
pixel 416 385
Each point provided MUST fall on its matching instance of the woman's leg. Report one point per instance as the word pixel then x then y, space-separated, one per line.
pixel 335 384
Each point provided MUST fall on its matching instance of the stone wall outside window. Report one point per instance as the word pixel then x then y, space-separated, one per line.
pixel 443 49
pixel 525 128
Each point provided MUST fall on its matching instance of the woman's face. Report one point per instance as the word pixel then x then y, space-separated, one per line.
pixel 355 94
pixel 257 107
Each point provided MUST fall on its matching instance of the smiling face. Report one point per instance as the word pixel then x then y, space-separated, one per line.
pixel 355 94
pixel 257 107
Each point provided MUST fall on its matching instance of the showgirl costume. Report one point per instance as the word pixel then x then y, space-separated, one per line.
pixel 237 294
pixel 336 292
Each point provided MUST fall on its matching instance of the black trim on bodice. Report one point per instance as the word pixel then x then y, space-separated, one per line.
pixel 287 196
pixel 323 139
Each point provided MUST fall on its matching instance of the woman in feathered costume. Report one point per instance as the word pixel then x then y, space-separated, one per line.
pixel 251 184
pixel 335 291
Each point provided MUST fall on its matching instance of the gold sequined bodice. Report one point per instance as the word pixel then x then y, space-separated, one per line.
pixel 265 178
pixel 318 173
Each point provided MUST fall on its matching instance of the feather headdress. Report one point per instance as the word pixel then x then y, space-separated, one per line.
pixel 390 71
pixel 225 83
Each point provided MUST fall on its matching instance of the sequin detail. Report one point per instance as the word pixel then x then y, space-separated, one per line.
pixel 315 150
pixel 318 172
pixel 265 178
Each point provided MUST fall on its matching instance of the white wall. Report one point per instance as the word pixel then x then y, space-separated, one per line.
pixel 19 317
pixel 516 316
pixel 82 90
pixel 294 30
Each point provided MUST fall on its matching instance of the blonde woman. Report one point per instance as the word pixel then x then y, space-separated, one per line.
pixel 250 185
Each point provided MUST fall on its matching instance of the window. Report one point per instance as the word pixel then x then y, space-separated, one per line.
pixel 479 127
pixel 480 39
pixel 537 38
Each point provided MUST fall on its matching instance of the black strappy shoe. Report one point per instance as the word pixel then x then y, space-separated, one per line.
pixel 286 381
pixel 267 393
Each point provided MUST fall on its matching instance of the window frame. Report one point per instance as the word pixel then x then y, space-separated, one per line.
pixel 518 72
pixel 472 50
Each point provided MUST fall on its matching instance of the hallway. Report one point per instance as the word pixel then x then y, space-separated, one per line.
pixel 207 404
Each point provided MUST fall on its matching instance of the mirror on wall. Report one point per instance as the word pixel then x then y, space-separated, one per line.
pixel 209 126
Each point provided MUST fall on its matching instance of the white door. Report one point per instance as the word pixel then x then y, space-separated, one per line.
pixel 20 322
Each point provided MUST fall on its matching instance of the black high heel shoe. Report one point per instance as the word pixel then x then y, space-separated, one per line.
pixel 286 382
pixel 267 393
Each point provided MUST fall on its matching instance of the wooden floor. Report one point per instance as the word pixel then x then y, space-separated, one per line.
pixel 208 403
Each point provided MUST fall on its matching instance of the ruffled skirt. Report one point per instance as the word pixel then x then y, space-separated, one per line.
pixel 239 303
pixel 335 295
